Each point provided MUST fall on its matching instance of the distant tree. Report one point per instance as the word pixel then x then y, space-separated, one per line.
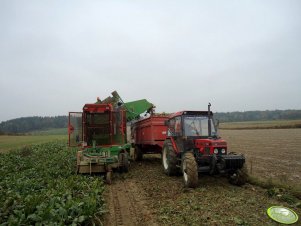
pixel 258 115
pixel 28 124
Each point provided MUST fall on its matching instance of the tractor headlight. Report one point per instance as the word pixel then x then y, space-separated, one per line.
pixel 223 151
pixel 215 151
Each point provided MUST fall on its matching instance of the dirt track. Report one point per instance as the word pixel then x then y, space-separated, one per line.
pixel 148 197
pixel 126 204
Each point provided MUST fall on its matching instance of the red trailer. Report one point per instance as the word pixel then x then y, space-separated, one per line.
pixel 148 135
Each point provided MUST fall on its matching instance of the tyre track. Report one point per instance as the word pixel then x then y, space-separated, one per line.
pixel 125 205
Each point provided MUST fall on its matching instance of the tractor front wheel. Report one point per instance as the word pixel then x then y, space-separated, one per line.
pixel 190 170
pixel 169 159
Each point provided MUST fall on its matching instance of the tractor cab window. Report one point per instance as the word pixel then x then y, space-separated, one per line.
pixel 175 128
pixel 198 126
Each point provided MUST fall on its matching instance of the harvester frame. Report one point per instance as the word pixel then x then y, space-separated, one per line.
pixel 100 132
pixel 102 140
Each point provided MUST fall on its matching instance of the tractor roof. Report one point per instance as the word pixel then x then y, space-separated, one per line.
pixel 193 113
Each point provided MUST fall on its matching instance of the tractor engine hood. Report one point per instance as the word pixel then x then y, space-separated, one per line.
pixel 210 143
pixel 210 146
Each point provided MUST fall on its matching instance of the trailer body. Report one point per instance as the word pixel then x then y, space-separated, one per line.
pixel 149 134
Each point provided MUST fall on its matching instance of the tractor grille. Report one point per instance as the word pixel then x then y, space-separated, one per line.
pixel 233 161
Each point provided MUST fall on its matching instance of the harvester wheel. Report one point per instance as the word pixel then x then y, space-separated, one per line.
pixel 109 177
pixel 169 159
pixel 138 154
pixel 124 162
pixel 240 177
pixel 190 170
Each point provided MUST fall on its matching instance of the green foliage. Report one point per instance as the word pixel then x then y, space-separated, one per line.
pixel 38 186
pixel 28 124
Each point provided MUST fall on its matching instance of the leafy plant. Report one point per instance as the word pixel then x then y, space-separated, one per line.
pixel 38 186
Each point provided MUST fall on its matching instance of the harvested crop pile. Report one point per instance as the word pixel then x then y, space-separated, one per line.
pixel 38 186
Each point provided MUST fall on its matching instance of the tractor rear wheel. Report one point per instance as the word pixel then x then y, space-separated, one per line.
pixel 240 177
pixel 138 154
pixel 190 170
pixel 169 159
pixel 123 162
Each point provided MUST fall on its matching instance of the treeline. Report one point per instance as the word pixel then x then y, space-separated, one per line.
pixel 258 115
pixel 28 124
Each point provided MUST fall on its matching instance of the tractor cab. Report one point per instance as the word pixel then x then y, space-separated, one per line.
pixel 196 130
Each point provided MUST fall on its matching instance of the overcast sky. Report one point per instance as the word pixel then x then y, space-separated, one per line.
pixel 55 56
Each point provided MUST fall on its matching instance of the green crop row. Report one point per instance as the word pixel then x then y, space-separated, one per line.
pixel 38 186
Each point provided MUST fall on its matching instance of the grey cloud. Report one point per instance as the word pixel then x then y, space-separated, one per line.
pixel 240 55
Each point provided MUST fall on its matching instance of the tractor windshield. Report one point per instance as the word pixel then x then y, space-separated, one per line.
pixel 198 126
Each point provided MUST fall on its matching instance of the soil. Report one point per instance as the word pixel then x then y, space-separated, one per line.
pixel 271 154
pixel 126 204
pixel 146 196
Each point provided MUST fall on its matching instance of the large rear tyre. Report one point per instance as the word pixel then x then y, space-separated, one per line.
pixel 123 162
pixel 240 177
pixel 138 154
pixel 169 159
pixel 190 170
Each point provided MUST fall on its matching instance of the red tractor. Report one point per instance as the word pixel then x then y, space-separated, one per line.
pixel 193 146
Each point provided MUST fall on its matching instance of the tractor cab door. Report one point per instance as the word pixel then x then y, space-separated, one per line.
pixel 75 129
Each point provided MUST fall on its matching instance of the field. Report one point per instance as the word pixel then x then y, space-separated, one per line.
pixel 39 186
pixel 271 153
pixel 146 195
pixel 280 124
pixel 149 197
pixel 13 142
pixel 58 131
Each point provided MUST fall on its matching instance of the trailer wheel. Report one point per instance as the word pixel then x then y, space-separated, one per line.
pixel 169 159
pixel 138 154
pixel 240 177
pixel 123 162
pixel 190 170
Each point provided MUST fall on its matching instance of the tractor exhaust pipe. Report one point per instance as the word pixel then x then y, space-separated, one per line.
pixel 209 120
